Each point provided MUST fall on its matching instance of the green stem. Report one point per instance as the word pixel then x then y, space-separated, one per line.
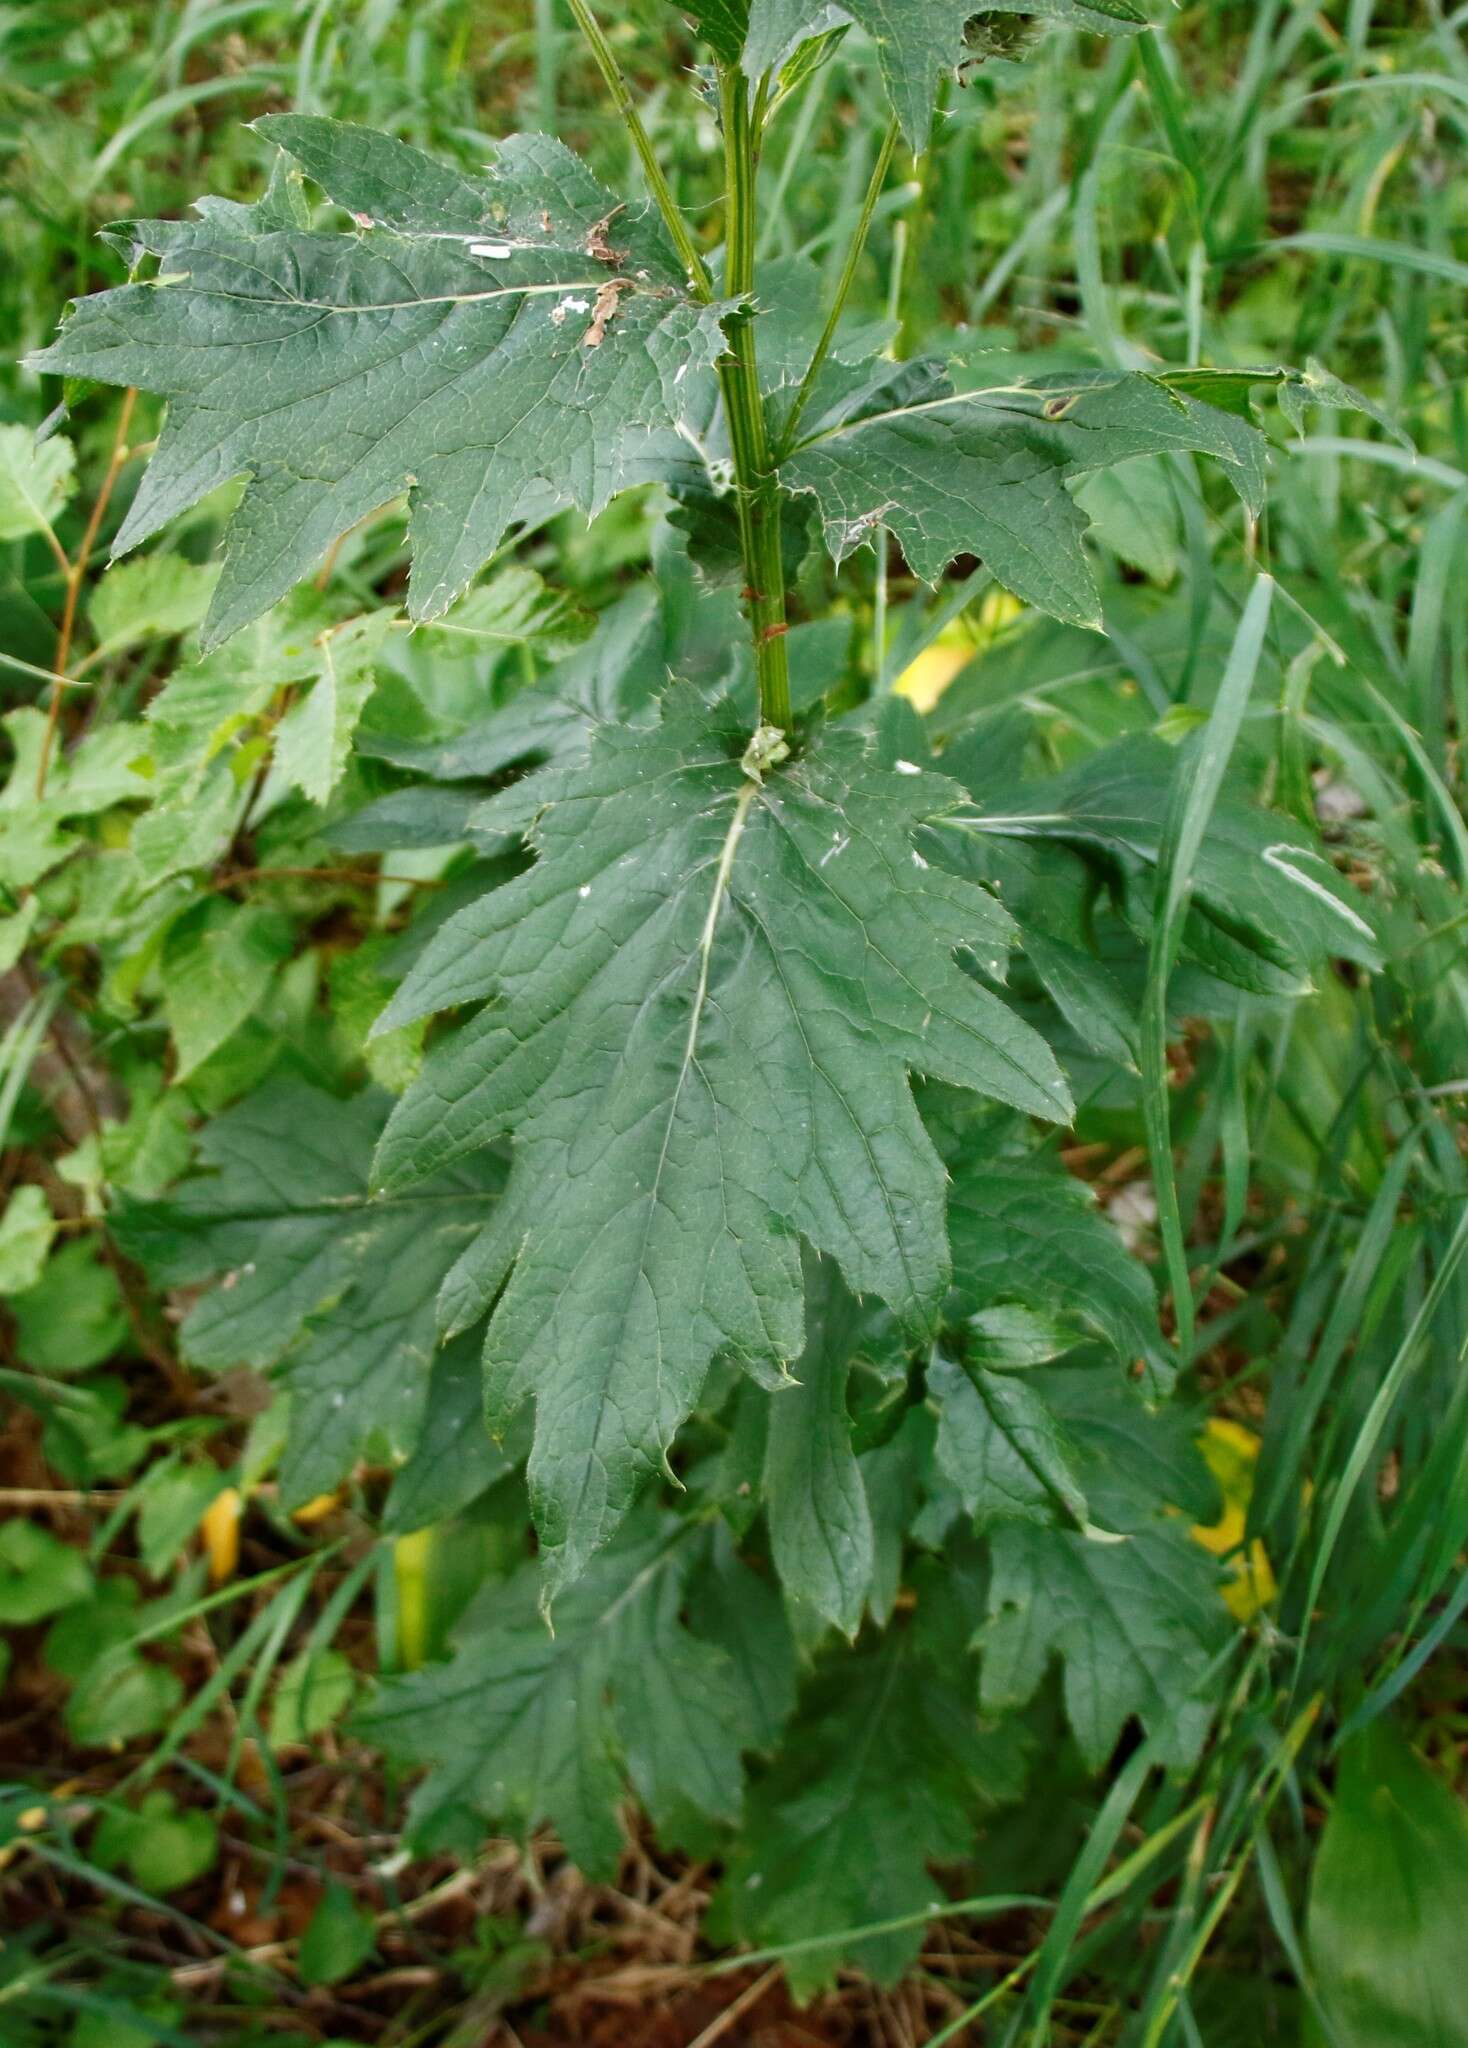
pixel 757 491
pixel 756 486
pixel 545 66
pixel 657 184
pixel 843 288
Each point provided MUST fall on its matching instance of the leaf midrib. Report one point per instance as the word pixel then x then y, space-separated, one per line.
pixel 343 1205
pixel 717 898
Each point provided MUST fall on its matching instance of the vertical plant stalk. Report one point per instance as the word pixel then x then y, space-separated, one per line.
pixel 757 493
pixel 882 675
pixel 756 485
pixel 75 574
pixel 652 170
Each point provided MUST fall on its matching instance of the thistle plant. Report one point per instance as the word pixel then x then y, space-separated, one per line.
pixel 729 1186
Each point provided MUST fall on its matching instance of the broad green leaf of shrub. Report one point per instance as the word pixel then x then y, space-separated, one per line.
pixel 1030 1234
pixel 26 1230
pixel 1137 1456
pixel 17 930
pixel 73 1318
pixel 1081 1444
pixel 1262 890
pixel 723 25
pixel 473 340
pixel 1002 1447
pixel 151 598
pixel 816 1502
pixel 1133 511
pixel 1389 1901
pixel 315 1689
pixel 339 1938
pixel 709 993
pixel 916 42
pixel 142 1152
pixel 163 1845
pixel 36 479
pixel 130 2024
pixel 218 963
pixel 886 1769
pixel 522 1727
pixel 1086 994
pixel 454 1460
pixel 117 1693
pixel 38 832
pixel 172 1499
pixel 211 708
pixel 740 1611
pixel 1135 1624
pixel 359 990
pixel 314 1277
pixel 986 472
pixel 614 678
pixel 515 608
pixel 39 1574
pixel 314 739
pixel 91 1439
pixel 121 1696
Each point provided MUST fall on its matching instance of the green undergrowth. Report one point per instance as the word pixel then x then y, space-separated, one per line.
pixel 735 1015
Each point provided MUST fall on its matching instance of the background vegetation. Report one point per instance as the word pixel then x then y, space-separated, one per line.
pixel 201 1842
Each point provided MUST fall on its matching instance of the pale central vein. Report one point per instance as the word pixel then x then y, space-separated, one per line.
pixel 700 997
pixel 742 803
pixel 508 291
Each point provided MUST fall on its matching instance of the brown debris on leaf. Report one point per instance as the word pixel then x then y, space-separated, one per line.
pixel 597 245
pixel 604 309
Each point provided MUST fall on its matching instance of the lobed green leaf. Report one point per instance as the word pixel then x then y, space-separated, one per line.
pixel 705 1000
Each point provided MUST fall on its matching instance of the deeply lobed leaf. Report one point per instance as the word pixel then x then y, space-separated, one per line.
pixel 986 472
pixel 917 40
pixel 475 341
pixel 521 1727
pixel 1135 1624
pixel 887 1768
pixel 335 1289
pixel 708 995
pixel 1268 907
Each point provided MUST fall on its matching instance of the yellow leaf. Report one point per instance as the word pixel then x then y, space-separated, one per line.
pixel 412 1571
pixel 220 1529
pixel 315 1510
pixel 1231 1453
pixel 925 680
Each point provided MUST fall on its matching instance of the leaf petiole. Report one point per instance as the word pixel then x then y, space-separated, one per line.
pixel 606 62
pixel 843 289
